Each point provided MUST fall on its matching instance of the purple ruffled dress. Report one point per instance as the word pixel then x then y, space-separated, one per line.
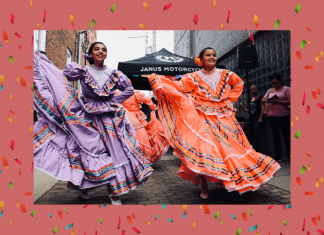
pixel 85 139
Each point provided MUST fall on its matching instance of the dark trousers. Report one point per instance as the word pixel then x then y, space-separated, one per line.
pixel 283 123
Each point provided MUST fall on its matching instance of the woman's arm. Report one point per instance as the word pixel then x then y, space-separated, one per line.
pixel 238 86
pixel 73 71
pixel 126 88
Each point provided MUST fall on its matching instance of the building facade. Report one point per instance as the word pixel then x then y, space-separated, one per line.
pixel 273 52
pixel 65 46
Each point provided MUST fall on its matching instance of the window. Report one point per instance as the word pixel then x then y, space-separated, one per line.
pixel 68 56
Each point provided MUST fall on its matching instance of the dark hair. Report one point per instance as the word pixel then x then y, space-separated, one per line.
pixel 201 54
pixel 276 76
pixel 91 48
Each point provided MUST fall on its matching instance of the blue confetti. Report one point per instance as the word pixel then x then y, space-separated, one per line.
pixel 1 87
pixel 49 215
pixel 288 206
pixel 184 215
pixel 233 216
pixel 170 220
pixel 0 172
pixel 164 206
pixel 253 228
pixel 103 205
pixel 68 226
pixel 157 216
pixel 1 213
pixel 0 45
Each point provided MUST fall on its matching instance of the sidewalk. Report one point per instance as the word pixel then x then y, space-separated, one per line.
pixel 166 187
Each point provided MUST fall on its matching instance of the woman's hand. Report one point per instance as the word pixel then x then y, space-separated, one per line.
pixel 260 120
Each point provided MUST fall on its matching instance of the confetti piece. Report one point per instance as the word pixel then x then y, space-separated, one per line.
pixel 195 19
pixel 245 217
pixel 216 215
pixel 303 169
pixel 11 185
pixel 1 205
pixel 228 16
pixel 148 223
pixel 68 226
pixel 307 109
pixel 5 36
pixel 28 193
pixel 220 221
pixel 322 181
pixel 309 41
pixel 44 16
pixel 166 7
pixel 170 220
pixel 65 210
pixel 123 232
pixel 222 26
pixel 60 214
pixel 1 214
pixel 270 207
pixel 145 6
pixel 314 221
pixel 18 35
pixel 164 206
pixel 298 178
pixel 10 223
pixel 184 215
pixel 309 168
pixel 238 231
pixel 314 95
pixel 33 213
pixel 31 4
pixel 277 23
pixel 92 23
pixel 100 221
pixel 214 4
pixel 297 8
pixel 12 144
pixel 157 216
pixel 309 193
pixel 308 29
pixel 129 219
pixel 12 19
pixel 112 9
pixel 1 87
pixel 0 172
pixel 122 28
pixel 11 59
pixel 253 228
pixel 136 230
pixel 285 223
pixel 308 155
pixel 309 67
pixel 317 57
pixel 184 208
pixel 17 203
pixel 1 79
pixel 200 206
pixel 143 26
pixel 54 230
pixel 302 44
pixel 118 227
pixel 320 231
pixel 292 122
pixel 0 45
pixel 255 19
pixel 194 224
pixel 10 97
pixel 23 82
pixel 28 67
pixel 318 91
pixel 233 216
pixel 32 41
pixel 321 54
pixel 23 208
pixel 71 19
pixel 49 215
pixel 298 55
pixel 38 26
pixel 250 212
pixel 320 105
pixel 133 216
pixel 20 173
pixel 288 206
pixel 206 209
pixel 318 217
pixel 297 134
pixel 257 25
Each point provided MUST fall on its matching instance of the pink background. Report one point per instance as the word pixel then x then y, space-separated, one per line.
pixel 129 14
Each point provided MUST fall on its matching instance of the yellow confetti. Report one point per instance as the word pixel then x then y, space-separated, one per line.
pixel 309 41
pixel 200 206
pixel 10 223
pixel 143 26
pixel 31 130
pixel 222 26
pixel 17 203
pixel 292 122
pixel 309 167
pixel 31 110
pixel 1 79
pixel 73 232
pixel 1 205
pixel 194 225
pixel 321 55
pixel 7 41
pixel 148 223
pixel 317 57
pixel 9 118
pixel 257 233
pixel 317 183
pixel 291 30
pixel 214 5
pixel 10 97
pixel 8 167
pixel 291 156
pixel 145 6
pixel 38 26
pixel 184 208
pixel 322 181
pixel 296 116
pixel 17 77
pixel 31 4
pixel 71 19
pixel 255 20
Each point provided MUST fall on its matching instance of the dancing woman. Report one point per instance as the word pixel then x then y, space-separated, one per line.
pixel 199 122
pixel 86 139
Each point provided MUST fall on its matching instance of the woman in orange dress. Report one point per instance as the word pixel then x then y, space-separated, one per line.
pixel 149 135
pixel 199 122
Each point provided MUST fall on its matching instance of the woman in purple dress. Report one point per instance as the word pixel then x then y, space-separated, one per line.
pixel 86 139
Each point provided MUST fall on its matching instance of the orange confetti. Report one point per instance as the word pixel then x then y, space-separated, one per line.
pixel 28 193
pixel 133 216
pixel 309 193
pixel 12 112
pixel 318 217
pixel 244 216
pixel 314 95
pixel 23 82
pixel 5 35
pixel 20 47
pixel 20 173
pixel 23 208
pixel 298 55
pixel 122 28
pixel 308 29
pixel 314 221
pixel 318 91
pixel 60 214
pixel 257 25
pixel 1 205
pixel 309 67
pixel 129 219
pixel 5 161
pixel 9 118
pixel 206 209
pixel 298 181
pixel 28 67
pixel 308 155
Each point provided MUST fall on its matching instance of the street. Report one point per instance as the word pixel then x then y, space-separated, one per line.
pixel 166 187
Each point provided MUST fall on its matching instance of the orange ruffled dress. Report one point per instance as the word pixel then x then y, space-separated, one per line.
pixel 199 122
pixel 149 135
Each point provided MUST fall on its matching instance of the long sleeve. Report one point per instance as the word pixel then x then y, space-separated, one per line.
pixel 238 86
pixel 124 85
pixel 141 98
pixel 73 72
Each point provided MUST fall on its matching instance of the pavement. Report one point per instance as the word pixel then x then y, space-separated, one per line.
pixel 166 187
